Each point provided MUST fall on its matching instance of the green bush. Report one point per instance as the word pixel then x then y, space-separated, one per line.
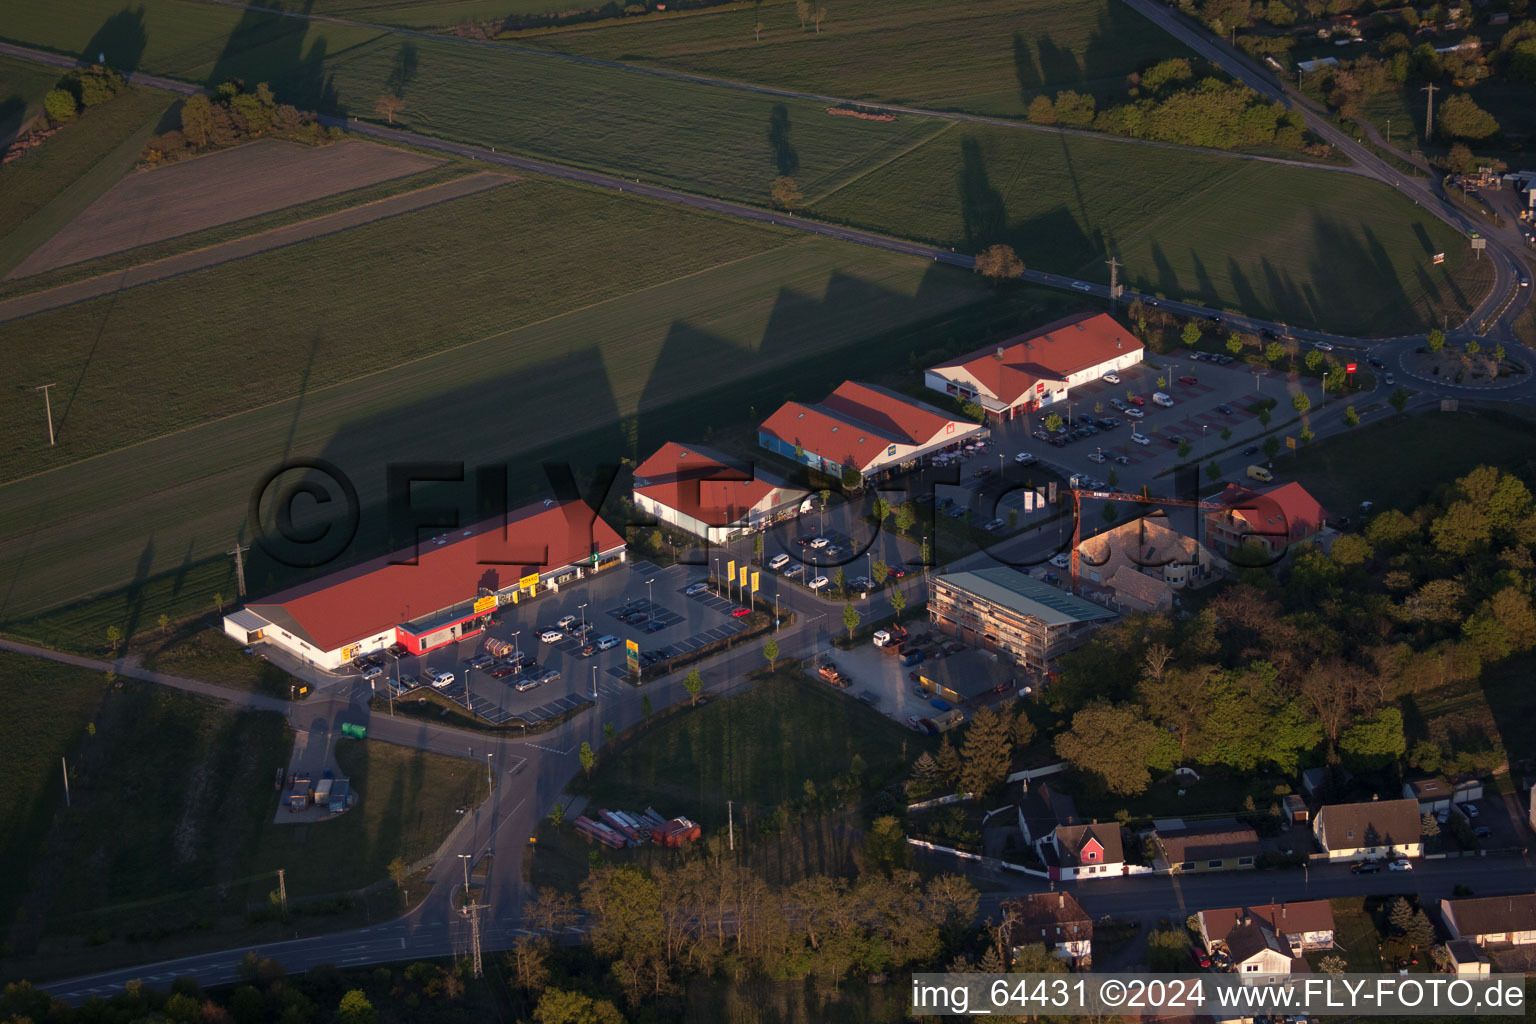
pixel 60 106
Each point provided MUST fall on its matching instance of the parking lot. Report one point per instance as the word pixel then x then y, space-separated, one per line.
pixel 1208 398
pixel 659 617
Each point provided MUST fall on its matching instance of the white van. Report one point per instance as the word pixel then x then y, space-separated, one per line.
pixel 1163 400
pixel 605 642
pixel 778 561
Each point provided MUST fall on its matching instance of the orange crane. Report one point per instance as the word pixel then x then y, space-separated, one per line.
pixel 1077 513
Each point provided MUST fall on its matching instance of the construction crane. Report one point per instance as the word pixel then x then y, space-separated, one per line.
pixel 1077 514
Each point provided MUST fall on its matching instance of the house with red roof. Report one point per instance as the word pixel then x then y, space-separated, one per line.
pixel 433 594
pixel 697 490
pixel 1037 369
pixel 1274 519
pixel 867 428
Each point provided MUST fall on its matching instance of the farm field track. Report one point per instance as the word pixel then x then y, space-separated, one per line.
pixel 22 88
pixel 47 187
pixel 233 184
pixel 471 349
pixel 1285 244
pixel 992 57
pixel 34 303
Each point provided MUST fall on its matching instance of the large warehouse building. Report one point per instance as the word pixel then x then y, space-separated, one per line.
pixel 436 593
pixel 1001 609
pixel 1038 369
pixel 875 431
pixel 696 490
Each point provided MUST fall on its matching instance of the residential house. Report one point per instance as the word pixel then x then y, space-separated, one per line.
pixel 1210 846
pixel 1041 809
pixel 1083 851
pixel 1053 919
pixel 1270 939
pixel 1144 562
pixel 1275 520
pixel 1492 921
pixel 1433 794
pixel 1373 828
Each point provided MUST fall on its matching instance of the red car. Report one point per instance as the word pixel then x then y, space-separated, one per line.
pixel 741 612
pixel 502 672
pixel 1137 400
pixel 895 572
pixel 1187 379
pixel 1200 956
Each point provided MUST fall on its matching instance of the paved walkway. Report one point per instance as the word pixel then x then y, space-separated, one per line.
pixel 251 245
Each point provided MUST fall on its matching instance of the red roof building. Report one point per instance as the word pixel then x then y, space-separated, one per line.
pixel 438 592
pixel 1037 369
pixel 696 490
pixel 1274 519
pixel 865 427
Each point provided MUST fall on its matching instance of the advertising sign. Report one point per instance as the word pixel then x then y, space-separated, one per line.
pixel 632 655
pixel 730 570
pixel 529 582
pixel 1349 367
pixel 1290 442
pixel 485 604
pixel 743 576
pixel 755 578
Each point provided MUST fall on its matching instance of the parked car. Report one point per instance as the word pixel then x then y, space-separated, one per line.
pixel 549 675
pixel 1400 865
pixel 1366 867
pixel 794 572
pixel 440 680
pixel 607 642
pixel 1482 832
pixel 896 570
pixel 1123 460
pixel 1062 560
pixel 1141 439
pixel 1096 457
pixel 1117 403
pixel 503 671
pixel 819 542
pixel 1135 414
pixel 1189 379
pixel 1137 400
pixel 1111 378
pixel 740 612
pixel 778 561
pixel 819 583
pixel 526 683
pixel 1108 423
pixel 1389 379
pixel 1024 458
pixel 1225 410
pixel 1470 810
pixel 372 672
pixel 551 636
pixel 565 622
pixel 587 650
pixel 696 588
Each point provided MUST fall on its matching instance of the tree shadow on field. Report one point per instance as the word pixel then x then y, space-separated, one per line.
pixel 1058 65
pixel 12 110
pixel 1167 277
pixel 785 157
pixel 403 72
pixel 1102 57
pixel 983 215
pixel 120 41
pixel 267 45
pixel 1024 68
pixel 1371 273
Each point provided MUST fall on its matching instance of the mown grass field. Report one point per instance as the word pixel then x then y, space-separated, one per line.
pixel 534 314
pixel 1299 246
pixel 439 13
pixel 984 56
pixel 22 88
pixel 49 186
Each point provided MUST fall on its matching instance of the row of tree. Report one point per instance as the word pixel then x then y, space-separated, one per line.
pixel 80 90
pixel 1171 103
pixel 229 117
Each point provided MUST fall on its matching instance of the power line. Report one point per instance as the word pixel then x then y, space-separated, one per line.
pixel 238 550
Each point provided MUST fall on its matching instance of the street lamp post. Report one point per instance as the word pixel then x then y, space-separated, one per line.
pixel 488 772
pixel 650 606
pixel 583 609
pixel 717 577
pixel 594 684
pixel 517 654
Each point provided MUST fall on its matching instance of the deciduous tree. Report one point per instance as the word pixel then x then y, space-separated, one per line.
pixel 785 192
pixel 999 262
pixel 693 683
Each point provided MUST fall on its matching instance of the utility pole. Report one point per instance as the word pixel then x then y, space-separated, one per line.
pixel 1114 285
pixel 488 773
pixel 47 407
pixel 474 940
pixel 1389 131
pixel 65 765
pixel 730 817
pixel 1429 111
pixel 238 550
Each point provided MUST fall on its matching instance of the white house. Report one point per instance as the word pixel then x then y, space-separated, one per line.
pixel 697 491
pixel 1052 919
pixel 1038 369
pixel 1492 920
pixel 1083 851
pixel 1373 828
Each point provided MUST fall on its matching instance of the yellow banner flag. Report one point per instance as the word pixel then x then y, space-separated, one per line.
pixel 1290 442
pixel 743 575
pixel 755 576
pixel 730 571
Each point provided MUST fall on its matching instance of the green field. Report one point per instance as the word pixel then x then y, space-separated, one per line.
pixel 983 56
pixel 439 13
pixel 22 88
pixel 1299 246
pixel 1398 463
pixel 514 326
pixel 49 186
pixel 174 839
